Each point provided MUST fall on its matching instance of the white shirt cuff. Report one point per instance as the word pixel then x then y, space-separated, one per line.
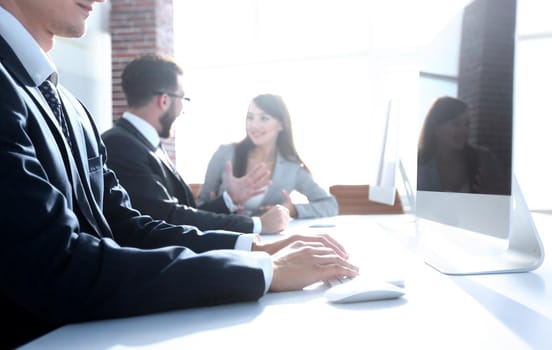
pixel 244 242
pixel 266 264
pixel 229 202
pixel 257 224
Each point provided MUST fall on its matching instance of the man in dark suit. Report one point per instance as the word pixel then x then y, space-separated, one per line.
pixel 72 247
pixel 153 88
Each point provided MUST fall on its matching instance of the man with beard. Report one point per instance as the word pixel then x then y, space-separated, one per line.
pixel 73 249
pixel 153 88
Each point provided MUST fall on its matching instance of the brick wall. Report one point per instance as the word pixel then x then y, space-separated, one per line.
pixel 486 74
pixel 138 27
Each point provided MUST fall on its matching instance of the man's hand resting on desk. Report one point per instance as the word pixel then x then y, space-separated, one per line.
pixel 275 219
pixel 300 261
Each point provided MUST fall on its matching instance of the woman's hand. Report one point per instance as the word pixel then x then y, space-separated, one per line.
pixel 251 184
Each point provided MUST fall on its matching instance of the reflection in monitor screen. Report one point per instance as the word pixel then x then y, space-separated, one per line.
pixel 464 187
pixel 449 162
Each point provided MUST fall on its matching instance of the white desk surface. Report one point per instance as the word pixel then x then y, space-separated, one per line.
pixel 502 311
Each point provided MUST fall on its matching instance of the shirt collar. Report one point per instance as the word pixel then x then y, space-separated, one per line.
pixel 34 59
pixel 145 128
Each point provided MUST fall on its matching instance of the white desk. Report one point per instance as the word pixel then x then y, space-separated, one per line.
pixel 509 311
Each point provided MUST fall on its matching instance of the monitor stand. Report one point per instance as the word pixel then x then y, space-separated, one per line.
pixel 471 253
pixel 386 194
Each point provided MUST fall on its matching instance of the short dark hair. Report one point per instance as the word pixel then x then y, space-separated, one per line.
pixel 148 75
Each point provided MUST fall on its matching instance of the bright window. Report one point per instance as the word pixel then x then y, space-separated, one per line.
pixel 335 63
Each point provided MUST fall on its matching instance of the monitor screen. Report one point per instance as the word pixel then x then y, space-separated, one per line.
pixel 464 153
pixel 465 141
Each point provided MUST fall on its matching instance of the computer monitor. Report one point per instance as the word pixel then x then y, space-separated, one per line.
pixel 385 188
pixel 472 218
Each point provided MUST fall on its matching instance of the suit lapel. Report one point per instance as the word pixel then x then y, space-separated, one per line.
pixel 78 122
pixel 75 125
pixel 70 164
pixel 164 158
pixel 156 152
pixel 159 156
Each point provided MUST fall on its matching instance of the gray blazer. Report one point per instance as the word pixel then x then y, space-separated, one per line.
pixel 288 175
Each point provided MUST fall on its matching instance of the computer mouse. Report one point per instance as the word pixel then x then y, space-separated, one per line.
pixel 362 290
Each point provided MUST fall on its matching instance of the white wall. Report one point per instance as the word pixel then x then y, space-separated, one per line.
pixel 84 65
pixel 532 107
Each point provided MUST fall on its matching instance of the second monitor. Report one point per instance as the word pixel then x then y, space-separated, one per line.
pixel 384 191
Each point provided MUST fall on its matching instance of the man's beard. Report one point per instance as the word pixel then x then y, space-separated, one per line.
pixel 166 121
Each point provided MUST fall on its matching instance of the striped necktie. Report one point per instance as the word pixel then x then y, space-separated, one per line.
pixel 51 95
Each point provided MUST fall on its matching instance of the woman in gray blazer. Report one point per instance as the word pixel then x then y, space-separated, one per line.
pixel 269 141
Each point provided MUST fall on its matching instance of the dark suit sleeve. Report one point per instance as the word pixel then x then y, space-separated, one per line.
pixel 54 272
pixel 156 192
pixel 216 205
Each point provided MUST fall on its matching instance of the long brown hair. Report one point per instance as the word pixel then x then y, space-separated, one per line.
pixel 443 109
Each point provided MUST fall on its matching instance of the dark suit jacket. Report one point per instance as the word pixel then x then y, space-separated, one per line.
pixel 156 189
pixel 72 248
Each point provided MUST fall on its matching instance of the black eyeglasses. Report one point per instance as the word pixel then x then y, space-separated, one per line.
pixel 182 97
